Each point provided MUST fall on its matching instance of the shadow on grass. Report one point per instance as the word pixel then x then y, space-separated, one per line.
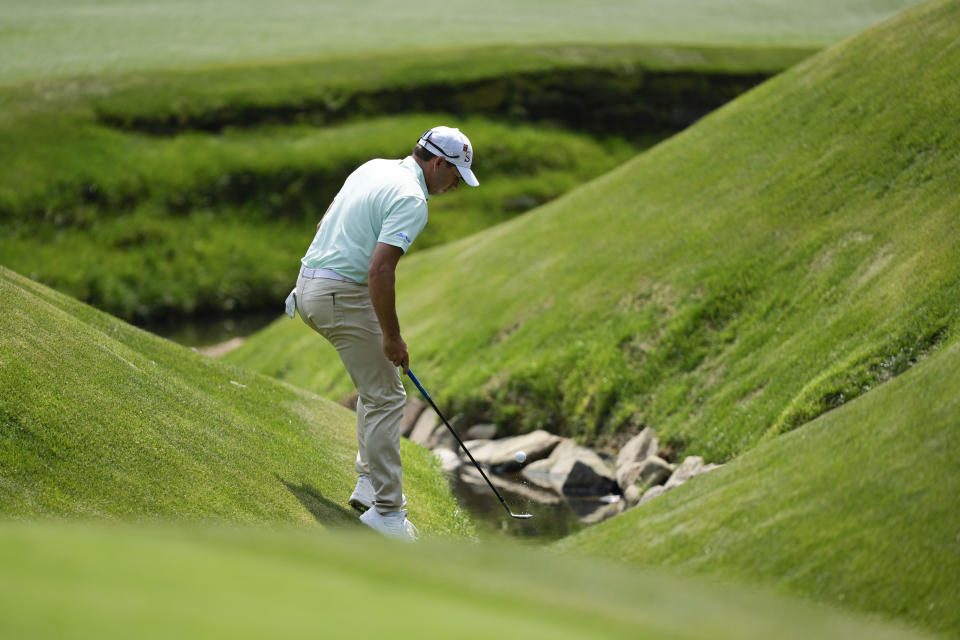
pixel 325 511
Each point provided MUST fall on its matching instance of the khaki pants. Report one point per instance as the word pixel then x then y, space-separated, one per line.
pixel 343 314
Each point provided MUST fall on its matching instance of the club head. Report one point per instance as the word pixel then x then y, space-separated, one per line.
pixel 521 516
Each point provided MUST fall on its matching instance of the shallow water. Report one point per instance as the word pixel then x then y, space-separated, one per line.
pixel 208 332
pixel 550 521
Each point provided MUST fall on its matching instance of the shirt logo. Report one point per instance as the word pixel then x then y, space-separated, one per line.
pixel 402 236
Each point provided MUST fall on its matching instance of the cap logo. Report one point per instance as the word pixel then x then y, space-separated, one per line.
pixel 466 151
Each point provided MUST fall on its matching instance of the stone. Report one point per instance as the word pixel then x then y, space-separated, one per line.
pixel 691 467
pixel 424 427
pixel 411 412
pixel 442 438
pixel 538 473
pixel 449 460
pixel 499 454
pixel 480 432
pixel 594 511
pixel 652 493
pixel 651 471
pixel 587 478
pixel 474 446
pixel 573 470
pixel 639 448
pixel 632 495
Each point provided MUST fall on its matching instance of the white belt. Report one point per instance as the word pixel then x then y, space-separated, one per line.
pixel 307 272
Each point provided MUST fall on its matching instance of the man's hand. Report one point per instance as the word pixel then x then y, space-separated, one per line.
pixel 395 350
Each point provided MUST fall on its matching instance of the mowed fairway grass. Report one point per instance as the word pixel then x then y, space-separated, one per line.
pixel 61 38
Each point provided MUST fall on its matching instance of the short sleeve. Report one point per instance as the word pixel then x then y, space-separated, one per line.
pixel 404 221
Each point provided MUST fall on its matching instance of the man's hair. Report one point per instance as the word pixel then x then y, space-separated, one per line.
pixel 420 152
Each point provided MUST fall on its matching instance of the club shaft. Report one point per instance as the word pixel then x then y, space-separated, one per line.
pixel 427 397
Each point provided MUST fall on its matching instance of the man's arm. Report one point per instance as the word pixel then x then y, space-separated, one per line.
pixel 381 279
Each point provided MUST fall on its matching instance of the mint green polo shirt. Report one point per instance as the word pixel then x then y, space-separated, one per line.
pixel 382 201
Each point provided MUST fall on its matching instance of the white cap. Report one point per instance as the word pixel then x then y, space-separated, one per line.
pixel 451 144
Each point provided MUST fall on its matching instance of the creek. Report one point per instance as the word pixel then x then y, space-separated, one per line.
pixel 551 520
pixel 200 333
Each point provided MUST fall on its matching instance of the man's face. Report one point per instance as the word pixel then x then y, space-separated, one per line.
pixel 445 177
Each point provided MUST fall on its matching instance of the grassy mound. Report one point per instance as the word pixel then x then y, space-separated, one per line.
pixel 106 176
pixel 71 581
pixel 101 420
pixel 207 223
pixel 786 254
pixel 857 508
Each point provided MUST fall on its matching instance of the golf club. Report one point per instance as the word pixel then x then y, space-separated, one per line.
pixel 423 392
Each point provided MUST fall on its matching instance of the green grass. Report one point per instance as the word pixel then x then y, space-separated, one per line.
pixel 857 508
pixel 248 202
pixel 787 253
pixel 109 434
pixel 67 580
pixel 106 174
pixel 97 203
pixel 102 420
pixel 69 38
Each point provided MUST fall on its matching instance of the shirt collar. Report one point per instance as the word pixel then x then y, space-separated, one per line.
pixel 411 165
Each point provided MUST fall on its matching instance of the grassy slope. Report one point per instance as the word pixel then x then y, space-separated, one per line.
pixel 72 581
pixel 857 508
pixel 65 170
pixel 92 205
pixel 38 115
pixel 99 419
pixel 782 256
pixel 68 38
pixel 249 202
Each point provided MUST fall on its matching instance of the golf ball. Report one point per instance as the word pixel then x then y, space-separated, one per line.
pixel 520 457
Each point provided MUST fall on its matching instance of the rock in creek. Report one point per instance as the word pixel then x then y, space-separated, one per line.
pixel 499 454
pixel 639 448
pixel 480 432
pixel 424 427
pixel 651 471
pixel 449 460
pixel 411 413
pixel 572 470
pixel 691 467
pixel 554 466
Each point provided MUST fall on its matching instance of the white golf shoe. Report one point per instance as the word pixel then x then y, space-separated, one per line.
pixel 393 525
pixel 363 496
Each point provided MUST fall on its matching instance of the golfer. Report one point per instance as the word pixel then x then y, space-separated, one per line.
pixel 346 293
